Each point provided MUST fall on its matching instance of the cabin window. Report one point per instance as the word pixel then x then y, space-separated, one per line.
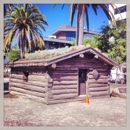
pixel 26 74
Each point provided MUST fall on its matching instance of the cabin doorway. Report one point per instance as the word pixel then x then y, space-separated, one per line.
pixel 82 81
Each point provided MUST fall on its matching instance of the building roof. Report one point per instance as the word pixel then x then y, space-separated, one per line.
pixel 57 40
pixel 72 28
pixel 51 59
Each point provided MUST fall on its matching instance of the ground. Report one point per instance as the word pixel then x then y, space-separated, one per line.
pixel 20 111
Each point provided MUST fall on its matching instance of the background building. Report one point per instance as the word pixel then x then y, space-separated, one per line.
pixel 64 35
pixel 119 11
pixel 69 33
pixel 51 43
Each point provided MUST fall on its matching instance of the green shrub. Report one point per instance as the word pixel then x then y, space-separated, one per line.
pixel 14 55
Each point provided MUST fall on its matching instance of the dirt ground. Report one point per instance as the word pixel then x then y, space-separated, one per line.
pixel 20 111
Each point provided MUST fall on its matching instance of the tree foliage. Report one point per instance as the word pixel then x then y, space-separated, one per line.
pixel 14 54
pixel 113 41
pixel 88 41
pixel 23 23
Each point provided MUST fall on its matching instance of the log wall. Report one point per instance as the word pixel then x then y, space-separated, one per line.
pixel 64 84
pixel 99 87
pixel 35 86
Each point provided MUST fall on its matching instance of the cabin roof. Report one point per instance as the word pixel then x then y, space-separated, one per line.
pixel 52 59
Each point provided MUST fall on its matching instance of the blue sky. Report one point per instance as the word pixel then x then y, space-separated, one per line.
pixel 58 17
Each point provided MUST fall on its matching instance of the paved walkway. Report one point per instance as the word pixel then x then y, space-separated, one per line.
pixel 100 112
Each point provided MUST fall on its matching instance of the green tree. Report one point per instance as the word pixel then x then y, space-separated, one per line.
pixel 91 41
pixel 23 23
pixel 113 41
pixel 14 54
pixel 88 41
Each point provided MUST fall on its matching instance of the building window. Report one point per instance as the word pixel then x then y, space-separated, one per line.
pixel 120 10
pixel 70 36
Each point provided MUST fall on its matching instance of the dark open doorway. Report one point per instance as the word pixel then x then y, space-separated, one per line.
pixel 82 81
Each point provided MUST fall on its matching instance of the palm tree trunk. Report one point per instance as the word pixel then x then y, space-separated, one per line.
pixel 80 25
pixel 77 30
pixel 22 49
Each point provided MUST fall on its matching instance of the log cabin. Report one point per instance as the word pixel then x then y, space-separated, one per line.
pixel 64 77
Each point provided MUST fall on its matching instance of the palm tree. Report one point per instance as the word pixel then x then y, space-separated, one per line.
pixel 24 24
pixel 82 9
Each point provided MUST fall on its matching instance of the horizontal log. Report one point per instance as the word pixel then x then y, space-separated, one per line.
pixel 92 81
pixel 100 73
pixel 100 97
pixel 64 82
pixel 75 64
pixel 64 91
pixel 39 99
pixel 56 87
pixel 65 96
pixel 84 60
pixel 99 89
pixel 65 77
pixel 102 70
pixel 17 76
pixel 100 93
pixel 104 74
pixel 24 91
pixel 38 83
pixel 17 80
pixel 28 87
pixel 64 74
pixel 98 80
pixel 64 71
pixel 67 65
pixel 65 68
pixel 79 63
pixel 38 73
pixel 100 77
pixel 77 99
pixel 30 68
pixel 37 78
pixel 97 85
